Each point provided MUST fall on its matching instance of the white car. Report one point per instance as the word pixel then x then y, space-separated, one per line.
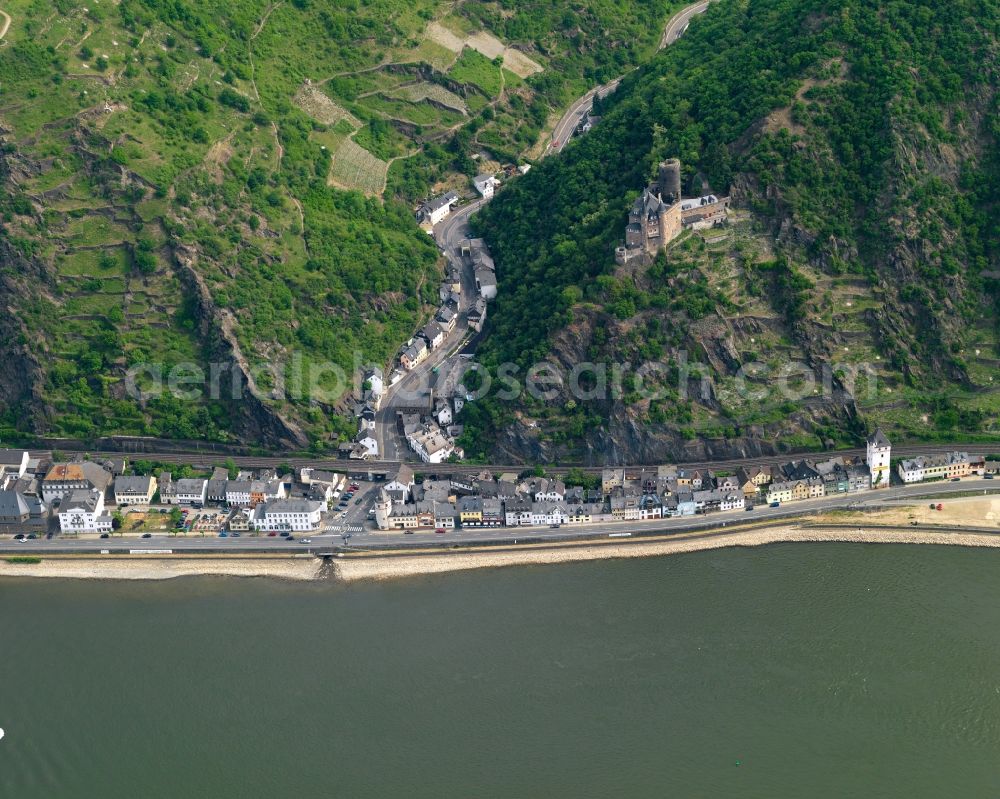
pixel 306 540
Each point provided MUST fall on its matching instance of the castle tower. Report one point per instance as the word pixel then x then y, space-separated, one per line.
pixel 669 182
pixel 382 510
pixel 877 458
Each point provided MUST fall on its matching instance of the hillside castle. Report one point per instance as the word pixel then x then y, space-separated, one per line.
pixel 659 215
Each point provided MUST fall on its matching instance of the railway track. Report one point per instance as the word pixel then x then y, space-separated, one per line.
pixel 196 458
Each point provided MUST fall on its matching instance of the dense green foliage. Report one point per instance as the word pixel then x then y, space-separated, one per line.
pixel 148 132
pixel 870 129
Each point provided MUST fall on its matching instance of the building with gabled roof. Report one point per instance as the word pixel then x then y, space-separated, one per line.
pixel 65 478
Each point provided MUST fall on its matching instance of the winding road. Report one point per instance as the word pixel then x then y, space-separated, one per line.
pixel 411 390
pixel 564 128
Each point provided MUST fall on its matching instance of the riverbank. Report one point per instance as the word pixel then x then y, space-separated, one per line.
pixel 164 568
pixel 400 565
pixel 353 569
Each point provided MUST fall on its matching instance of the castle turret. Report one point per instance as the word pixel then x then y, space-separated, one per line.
pixel 669 182
pixel 878 457
pixel 383 508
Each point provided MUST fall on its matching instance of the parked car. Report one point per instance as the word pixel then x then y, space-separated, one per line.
pixel 285 534
pixel 775 504
pixel 748 507
pixel 223 534
pixel 271 534
pixel 234 535
pixel 940 506
pixel 147 535
pixel 105 535
pixel 19 537
pixel 440 530
pixel 987 476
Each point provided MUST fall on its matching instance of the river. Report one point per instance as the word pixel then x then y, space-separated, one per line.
pixel 793 670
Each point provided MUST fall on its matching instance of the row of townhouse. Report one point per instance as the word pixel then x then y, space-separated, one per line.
pixel 637 493
pixel 947 466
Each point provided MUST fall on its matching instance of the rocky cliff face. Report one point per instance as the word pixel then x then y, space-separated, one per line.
pixel 854 283
pixel 252 419
pixel 21 375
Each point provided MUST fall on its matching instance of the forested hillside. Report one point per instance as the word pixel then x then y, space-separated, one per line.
pixel 207 182
pixel 859 142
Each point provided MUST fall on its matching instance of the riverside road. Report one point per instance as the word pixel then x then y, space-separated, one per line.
pixel 363 538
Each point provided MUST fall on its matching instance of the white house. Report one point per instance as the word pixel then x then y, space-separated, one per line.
pixel 13 461
pixel 444 515
pixel 430 444
pixel 550 491
pixel 486 283
pixel 433 334
pixel 911 471
pixel 877 458
pixel 135 490
pixel 367 442
pixel 401 482
pixel 238 493
pixel 375 380
pixel 485 185
pixel 548 513
pixel 443 413
pixel 517 511
pixel 83 512
pixel 293 515
pixel 187 491
pixel 438 208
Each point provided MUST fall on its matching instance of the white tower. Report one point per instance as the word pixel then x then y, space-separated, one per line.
pixel 878 458
pixel 382 510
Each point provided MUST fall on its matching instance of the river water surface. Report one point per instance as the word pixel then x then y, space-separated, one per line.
pixel 816 670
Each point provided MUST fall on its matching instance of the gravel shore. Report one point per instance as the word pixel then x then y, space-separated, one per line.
pixel 354 569
pixel 125 568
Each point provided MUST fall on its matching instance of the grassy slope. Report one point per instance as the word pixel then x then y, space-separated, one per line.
pixel 141 129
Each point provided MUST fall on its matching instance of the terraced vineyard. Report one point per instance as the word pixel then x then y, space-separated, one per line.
pixel 207 182
pixel 355 168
